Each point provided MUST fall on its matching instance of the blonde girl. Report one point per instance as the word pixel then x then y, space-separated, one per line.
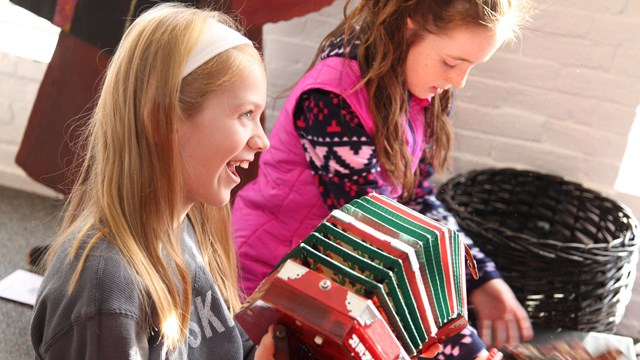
pixel 144 267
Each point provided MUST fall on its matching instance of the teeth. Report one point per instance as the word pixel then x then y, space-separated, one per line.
pixel 243 164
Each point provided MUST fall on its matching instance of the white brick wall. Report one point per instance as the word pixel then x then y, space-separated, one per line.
pixel 560 101
pixel 19 81
pixel 20 78
pixel 289 47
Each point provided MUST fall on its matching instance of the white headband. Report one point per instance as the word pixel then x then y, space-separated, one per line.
pixel 215 39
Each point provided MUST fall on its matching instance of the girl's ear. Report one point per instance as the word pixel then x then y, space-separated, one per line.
pixel 180 119
pixel 147 124
pixel 410 24
pixel 152 129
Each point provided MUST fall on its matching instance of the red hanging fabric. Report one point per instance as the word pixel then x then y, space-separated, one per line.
pixel 69 86
pixel 63 15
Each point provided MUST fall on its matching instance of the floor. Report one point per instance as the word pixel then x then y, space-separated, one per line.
pixel 25 220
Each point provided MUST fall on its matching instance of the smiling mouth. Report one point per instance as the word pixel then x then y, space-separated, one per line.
pixel 231 165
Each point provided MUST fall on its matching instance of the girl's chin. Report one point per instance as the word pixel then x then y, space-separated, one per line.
pixel 426 95
pixel 219 202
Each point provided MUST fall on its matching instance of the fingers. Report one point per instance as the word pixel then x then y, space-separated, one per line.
pixel 266 348
pixel 485 330
pixel 499 332
pixel 513 334
pixel 524 325
pixel 281 342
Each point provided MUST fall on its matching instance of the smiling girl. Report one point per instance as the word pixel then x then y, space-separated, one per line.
pixel 370 115
pixel 144 267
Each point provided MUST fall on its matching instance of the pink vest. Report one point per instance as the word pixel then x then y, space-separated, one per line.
pixel 282 206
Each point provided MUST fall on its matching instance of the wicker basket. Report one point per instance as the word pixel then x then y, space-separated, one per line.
pixel 568 253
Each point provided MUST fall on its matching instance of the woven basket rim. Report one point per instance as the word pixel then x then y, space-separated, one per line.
pixel 626 243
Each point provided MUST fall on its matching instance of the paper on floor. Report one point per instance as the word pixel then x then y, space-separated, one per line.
pixel 21 286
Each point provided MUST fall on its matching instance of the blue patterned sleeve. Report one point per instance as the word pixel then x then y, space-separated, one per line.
pixel 342 159
pixel 340 152
pixel 424 201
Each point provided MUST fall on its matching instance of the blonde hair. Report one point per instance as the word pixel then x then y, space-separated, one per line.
pixel 129 188
pixel 381 28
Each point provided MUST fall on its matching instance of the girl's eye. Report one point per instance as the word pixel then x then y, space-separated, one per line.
pixel 451 66
pixel 246 115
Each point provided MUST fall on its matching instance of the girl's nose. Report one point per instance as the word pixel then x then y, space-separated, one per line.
pixel 459 79
pixel 259 141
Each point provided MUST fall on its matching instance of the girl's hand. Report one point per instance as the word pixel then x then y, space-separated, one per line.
pixel 500 318
pixel 267 347
pixel 273 345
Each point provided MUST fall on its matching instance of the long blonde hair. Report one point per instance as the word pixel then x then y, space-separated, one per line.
pixel 129 188
pixel 381 28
